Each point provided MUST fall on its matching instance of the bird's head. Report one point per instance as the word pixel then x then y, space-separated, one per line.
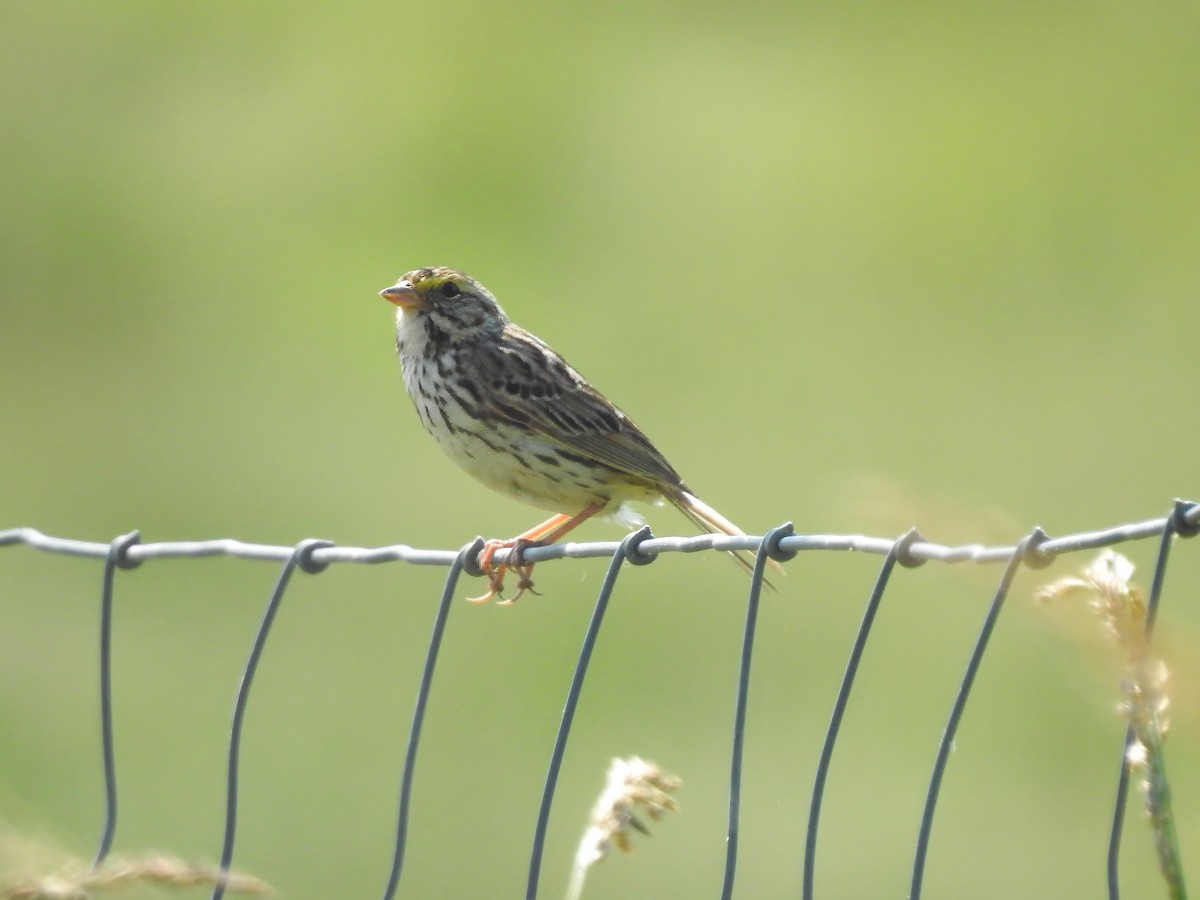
pixel 446 300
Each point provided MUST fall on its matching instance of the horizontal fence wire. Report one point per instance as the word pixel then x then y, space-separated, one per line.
pixel 312 556
pixel 920 550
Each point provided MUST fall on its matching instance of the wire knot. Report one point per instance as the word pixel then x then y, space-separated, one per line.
pixel 304 555
pixel 1030 549
pixel 632 544
pixel 118 550
pixel 469 555
pixel 903 549
pixel 1180 518
pixel 770 543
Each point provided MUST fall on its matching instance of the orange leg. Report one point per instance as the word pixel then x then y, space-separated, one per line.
pixel 547 532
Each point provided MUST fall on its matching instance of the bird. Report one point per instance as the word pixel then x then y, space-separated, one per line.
pixel 514 414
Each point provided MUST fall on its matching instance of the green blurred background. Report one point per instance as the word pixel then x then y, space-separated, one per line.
pixel 861 267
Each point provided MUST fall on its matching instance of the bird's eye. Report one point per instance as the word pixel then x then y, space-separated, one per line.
pixel 450 289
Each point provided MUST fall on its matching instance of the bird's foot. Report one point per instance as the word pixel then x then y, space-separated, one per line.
pixel 495 572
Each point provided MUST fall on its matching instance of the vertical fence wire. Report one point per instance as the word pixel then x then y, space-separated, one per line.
pixel 1176 523
pixel 117 558
pixel 418 719
pixel 1025 552
pixel 627 550
pixel 899 550
pixel 301 557
pixel 768 549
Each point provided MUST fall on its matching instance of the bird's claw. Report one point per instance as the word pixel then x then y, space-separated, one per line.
pixel 495 573
pixel 525 583
pixel 495 589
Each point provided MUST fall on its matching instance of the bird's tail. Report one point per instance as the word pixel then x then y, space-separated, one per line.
pixel 709 520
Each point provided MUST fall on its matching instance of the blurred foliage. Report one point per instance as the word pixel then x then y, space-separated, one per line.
pixel 861 267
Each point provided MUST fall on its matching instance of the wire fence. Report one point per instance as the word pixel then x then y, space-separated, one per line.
pixel 312 556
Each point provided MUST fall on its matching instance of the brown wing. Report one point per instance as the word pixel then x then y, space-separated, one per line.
pixel 528 383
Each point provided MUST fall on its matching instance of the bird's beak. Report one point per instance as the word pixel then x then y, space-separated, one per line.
pixel 404 295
